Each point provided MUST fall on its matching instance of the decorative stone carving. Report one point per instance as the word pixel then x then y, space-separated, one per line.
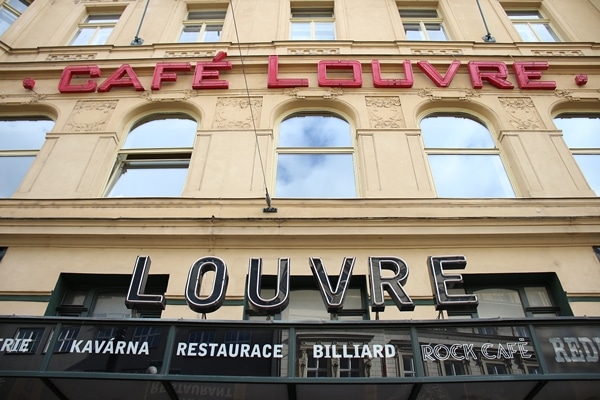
pixel 521 112
pixel 436 52
pixel 566 94
pixel 178 96
pixel 385 112
pixel 90 115
pixel 456 94
pixel 314 51
pixel 189 54
pixel 300 94
pixel 71 57
pixel 557 52
pixel 235 112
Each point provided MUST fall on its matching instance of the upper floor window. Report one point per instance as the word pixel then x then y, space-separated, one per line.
pixel 95 29
pixel 315 157
pixel 312 24
pixel 463 158
pixel 20 141
pixel 10 10
pixel 203 26
pixel 154 160
pixel 581 132
pixel 532 26
pixel 422 24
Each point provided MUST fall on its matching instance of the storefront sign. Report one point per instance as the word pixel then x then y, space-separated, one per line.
pixel 333 299
pixel 206 75
pixel 570 349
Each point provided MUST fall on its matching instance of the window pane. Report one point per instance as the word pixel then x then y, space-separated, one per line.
pixel 324 31
pixel 189 34
pixel 455 133
pixel 150 179
pixel 499 303
pixel 110 305
pixel 435 32
pixel 6 19
pixel 162 133
pixel 545 33
pixel 314 131
pixel 516 15
pixel 469 176
pixel 315 175
pixel 212 33
pixel 580 132
pixel 538 296
pixel 19 5
pixel 23 134
pixel 83 37
pixel 300 31
pixel 102 35
pixel 207 15
pixel 418 14
pixel 526 33
pixel 305 305
pixel 103 19
pixel 18 167
pixel 590 167
pixel 413 32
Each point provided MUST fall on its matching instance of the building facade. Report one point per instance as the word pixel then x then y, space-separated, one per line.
pixel 244 199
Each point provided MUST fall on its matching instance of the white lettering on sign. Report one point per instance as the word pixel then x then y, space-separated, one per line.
pixel 576 349
pixel 466 351
pixel 110 347
pixel 353 351
pixel 231 350
pixel 10 345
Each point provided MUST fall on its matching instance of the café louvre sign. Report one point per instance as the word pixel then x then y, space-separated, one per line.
pixel 331 73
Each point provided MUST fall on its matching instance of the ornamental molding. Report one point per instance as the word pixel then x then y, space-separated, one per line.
pixel 464 94
pixel 190 54
pixel 566 94
pixel 562 53
pixel 436 52
pixel 385 112
pixel 521 112
pixel 90 116
pixel 179 96
pixel 17 99
pixel 71 57
pixel 311 51
pixel 237 112
pixel 300 94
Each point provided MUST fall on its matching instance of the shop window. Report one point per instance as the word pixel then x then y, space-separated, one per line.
pixel 315 157
pixel 463 158
pixel 95 30
pixel 203 26
pixel 532 26
pixel 422 24
pixel 10 10
pixel 20 141
pixel 306 303
pixel 100 296
pixel 312 24
pixel 33 336
pixel 581 132
pixel 155 158
pixel 535 295
pixel 309 366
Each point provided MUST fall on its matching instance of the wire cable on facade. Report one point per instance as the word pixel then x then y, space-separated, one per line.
pixel 269 207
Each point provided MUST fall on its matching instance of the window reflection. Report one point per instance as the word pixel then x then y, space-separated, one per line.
pixel 463 159
pixel 20 140
pixel 315 158
pixel 581 133
pixel 155 157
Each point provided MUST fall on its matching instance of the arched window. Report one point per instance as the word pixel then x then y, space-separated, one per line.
pixel 581 132
pixel 315 157
pixel 20 141
pixel 463 158
pixel 155 157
